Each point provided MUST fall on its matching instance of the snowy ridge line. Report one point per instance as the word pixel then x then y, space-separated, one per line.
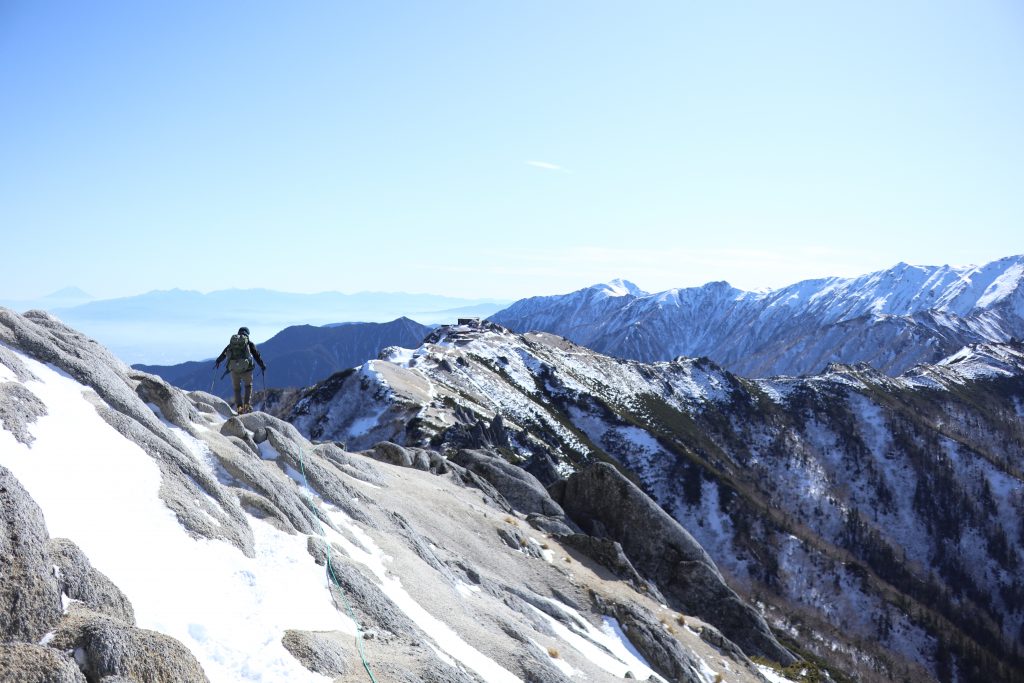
pixel 330 568
pixel 892 319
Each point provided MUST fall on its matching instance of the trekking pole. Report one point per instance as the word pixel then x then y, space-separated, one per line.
pixel 213 378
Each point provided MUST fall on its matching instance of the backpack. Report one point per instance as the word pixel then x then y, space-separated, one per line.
pixel 239 358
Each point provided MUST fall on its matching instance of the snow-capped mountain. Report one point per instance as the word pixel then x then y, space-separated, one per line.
pixel 148 535
pixel 879 519
pixel 892 319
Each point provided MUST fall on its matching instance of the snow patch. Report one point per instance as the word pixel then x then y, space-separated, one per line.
pixel 601 647
pixel 267 451
pixel 772 675
pixel 565 667
pixel 236 608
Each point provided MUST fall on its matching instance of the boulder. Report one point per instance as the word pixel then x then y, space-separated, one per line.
pixel 259 422
pixel 19 408
pixel 520 488
pixel 30 604
pixel 391 453
pixel 173 404
pixel 552 525
pixel 609 554
pixel 80 581
pixel 234 427
pixel 323 652
pixel 374 609
pixel 491 496
pixel 208 403
pixel 603 502
pixel 544 467
pixel 355 467
pixel 13 363
pixel 26 663
pixel 420 460
pixel 110 647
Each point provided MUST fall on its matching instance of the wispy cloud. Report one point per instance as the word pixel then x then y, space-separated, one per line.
pixel 547 166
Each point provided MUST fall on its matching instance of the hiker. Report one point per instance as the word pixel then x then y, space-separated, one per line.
pixel 240 353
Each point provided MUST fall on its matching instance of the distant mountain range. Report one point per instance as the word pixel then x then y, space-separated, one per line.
pixel 302 355
pixel 170 326
pixel 62 298
pixel 892 319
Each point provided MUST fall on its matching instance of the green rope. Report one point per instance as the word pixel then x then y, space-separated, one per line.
pixel 332 575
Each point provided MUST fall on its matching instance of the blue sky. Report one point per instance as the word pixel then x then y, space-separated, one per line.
pixel 502 149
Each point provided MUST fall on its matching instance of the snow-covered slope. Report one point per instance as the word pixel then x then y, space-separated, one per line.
pixel 878 517
pixel 148 535
pixel 892 319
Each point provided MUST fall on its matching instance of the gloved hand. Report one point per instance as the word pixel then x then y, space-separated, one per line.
pixel 216 366
pixel 263 368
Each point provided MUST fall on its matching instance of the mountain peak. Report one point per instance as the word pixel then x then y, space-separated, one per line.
pixel 619 287
pixel 69 293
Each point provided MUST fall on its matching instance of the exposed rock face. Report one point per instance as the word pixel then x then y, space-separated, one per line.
pixel 113 648
pixel 25 663
pixel 19 408
pixel 352 465
pixel 80 581
pixel 375 610
pixel 393 454
pixel 609 554
pixel 658 647
pixel 520 488
pixel 29 595
pixel 322 652
pixel 12 362
pixel 602 501
pixel 176 408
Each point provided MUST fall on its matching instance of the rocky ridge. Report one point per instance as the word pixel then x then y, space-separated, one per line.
pixel 448 568
pixel 878 518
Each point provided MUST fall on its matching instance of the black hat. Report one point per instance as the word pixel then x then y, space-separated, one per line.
pixel 243 330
